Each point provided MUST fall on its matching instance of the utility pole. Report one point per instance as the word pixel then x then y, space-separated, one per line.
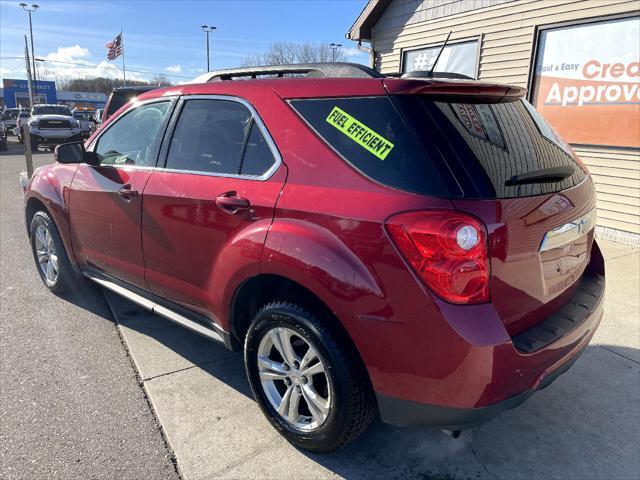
pixel 207 29
pixel 334 48
pixel 27 136
pixel 30 10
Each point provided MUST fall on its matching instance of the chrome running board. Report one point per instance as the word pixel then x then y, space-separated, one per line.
pixel 158 309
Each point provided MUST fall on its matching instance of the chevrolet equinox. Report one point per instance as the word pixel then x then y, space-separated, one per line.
pixel 419 248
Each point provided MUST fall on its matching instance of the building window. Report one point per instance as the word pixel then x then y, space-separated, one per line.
pixel 586 82
pixel 459 57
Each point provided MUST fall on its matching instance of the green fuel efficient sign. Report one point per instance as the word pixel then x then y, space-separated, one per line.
pixel 360 133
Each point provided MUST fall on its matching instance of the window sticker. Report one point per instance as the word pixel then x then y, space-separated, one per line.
pixel 480 122
pixel 360 133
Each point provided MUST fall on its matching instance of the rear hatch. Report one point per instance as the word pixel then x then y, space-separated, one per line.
pixel 517 175
pixel 485 148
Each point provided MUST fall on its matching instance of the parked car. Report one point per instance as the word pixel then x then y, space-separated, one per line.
pixel 97 119
pixel 3 136
pixel 86 122
pixel 51 125
pixel 418 247
pixel 21 123
pixel 121 96
pixel 9 116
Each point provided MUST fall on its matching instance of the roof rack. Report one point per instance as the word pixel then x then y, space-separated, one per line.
pixel 311 70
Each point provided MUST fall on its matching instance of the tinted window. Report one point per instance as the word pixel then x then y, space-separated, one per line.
pixel 133 138
pixel 468 150
pixel 372 135
pixel 210 137
pixel 508 140
pixel 118 101
pixel 257 155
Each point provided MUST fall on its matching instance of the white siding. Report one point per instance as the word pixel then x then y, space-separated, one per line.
pixel 507 36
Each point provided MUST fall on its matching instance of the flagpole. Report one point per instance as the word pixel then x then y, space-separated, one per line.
pixel 124 71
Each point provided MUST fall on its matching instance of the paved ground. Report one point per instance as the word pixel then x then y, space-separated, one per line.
pixel 70 401
pixel 586 425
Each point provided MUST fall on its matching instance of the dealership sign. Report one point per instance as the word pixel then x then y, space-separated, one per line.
pixel 16 92
pixel 587 82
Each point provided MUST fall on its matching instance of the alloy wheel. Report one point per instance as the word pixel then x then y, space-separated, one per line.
pixel 46 253
pixel 294 378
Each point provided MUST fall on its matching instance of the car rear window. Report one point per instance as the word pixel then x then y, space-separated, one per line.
pixel 372 135
pixel 456 149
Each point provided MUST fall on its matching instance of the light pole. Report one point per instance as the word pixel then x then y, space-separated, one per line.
pixel 334 48
pixel 207 29
pixel 31 9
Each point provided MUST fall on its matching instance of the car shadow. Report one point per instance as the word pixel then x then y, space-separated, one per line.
pixel 585 425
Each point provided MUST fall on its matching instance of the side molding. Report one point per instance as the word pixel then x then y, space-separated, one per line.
pixel 159 309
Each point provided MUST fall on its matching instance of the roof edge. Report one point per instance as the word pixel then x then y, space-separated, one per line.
pixel 371 13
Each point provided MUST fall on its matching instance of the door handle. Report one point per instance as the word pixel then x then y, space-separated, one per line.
pixel 230 203
pixel 126 192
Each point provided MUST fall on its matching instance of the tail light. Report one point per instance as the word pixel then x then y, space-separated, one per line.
pixel 448 250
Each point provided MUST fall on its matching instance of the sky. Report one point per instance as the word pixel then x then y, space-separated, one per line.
pixel 164 37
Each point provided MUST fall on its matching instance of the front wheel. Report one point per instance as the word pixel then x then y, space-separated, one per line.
pixel 308 381
pixel 49 253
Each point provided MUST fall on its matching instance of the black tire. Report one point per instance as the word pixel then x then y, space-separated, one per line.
pixel 65 274
pixel 34 144
pixel 352 403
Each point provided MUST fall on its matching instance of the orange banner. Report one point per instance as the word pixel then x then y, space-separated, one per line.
pixel 589 111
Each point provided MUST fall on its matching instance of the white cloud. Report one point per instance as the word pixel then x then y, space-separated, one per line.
pixel 174 69
pixel 73 62
pixel 69 54
pixel 351 52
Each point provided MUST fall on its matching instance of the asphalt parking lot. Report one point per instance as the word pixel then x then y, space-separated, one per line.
pixel 73 405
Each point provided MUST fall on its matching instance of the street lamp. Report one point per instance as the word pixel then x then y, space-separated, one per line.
pixel 334 48
pixel 206 29
pixel 31 9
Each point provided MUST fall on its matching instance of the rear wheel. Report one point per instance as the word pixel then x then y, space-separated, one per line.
pixel 49 254
pixel 310 385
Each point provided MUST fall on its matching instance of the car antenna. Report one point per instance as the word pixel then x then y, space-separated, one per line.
pixel 433 67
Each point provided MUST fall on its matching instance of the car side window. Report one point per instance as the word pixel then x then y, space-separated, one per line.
pixel 133 138
pixel 214 136
pixel 257 154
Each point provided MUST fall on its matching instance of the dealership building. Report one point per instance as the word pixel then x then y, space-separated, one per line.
pixel 15 94
pixel 579 59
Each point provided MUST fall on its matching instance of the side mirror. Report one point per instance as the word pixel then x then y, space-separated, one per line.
pixel 74 152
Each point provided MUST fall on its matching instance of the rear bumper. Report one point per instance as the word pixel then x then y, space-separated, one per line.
pixel 399 412
pixel 459 367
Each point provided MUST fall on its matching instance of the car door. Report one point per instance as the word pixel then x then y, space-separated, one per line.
pixel 106 201
pixel 220 180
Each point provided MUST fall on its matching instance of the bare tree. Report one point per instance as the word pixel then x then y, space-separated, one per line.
pixel 161 80
pixel 282 53
pixel 104 85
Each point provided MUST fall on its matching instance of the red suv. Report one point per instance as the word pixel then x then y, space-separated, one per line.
pixel 418 247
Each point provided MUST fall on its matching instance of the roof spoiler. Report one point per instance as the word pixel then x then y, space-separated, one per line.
pixel 456 90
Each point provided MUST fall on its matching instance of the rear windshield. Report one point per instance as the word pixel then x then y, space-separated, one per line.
pixel 462 150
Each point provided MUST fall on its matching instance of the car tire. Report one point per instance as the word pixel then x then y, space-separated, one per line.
pixel 49 254
pixel 34 144
pixel 333 404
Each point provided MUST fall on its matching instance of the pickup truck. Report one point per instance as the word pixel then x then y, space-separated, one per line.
pixel 51 125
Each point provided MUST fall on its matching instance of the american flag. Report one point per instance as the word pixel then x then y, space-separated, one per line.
pixel 115 47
